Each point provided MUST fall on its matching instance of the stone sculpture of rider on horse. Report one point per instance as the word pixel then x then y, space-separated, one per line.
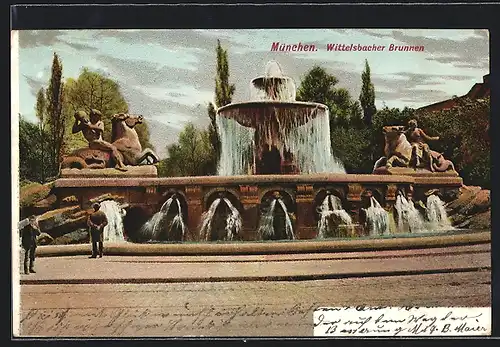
pixel 124 149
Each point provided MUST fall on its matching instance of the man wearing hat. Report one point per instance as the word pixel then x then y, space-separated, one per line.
pixel 96 223
pixel 93 131
pixel 29 234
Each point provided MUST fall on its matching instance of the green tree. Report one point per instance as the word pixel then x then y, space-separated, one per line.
pixel 188 157
pixel 223 96
pixel 41 106
pixel 223 89
pixel 55 116
pixel 214 139
pixel 40 110
pixel 356 113
pixel 349 143
pixel 466 143
pixel 93 90
pixel 367 95
pixel 319 86
pixel 32 167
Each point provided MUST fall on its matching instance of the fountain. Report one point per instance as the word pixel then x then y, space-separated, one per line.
pixel 275 222
pixel 376 218
pixel 436 214
pixel 275 167
pixel 167 224
pixel 409 218
pixel 113 232
pixel 273 133
pixel 332 217
pixel 222 221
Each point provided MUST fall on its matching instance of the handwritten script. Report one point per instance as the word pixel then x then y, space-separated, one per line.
pixel 402 321
pixel 176 320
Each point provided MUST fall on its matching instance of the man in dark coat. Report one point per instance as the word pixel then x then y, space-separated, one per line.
pixel 28 240
pixel 96 223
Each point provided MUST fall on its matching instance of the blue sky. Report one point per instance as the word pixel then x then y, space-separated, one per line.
pixel 168 75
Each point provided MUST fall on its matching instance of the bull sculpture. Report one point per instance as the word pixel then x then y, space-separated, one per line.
pixel 399 152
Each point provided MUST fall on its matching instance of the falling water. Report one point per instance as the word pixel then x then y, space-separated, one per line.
pixel 436 214
pixel 153 228
pixel 302 129
pixel 377 219
pixel 331 208
pixel 273 85
pixel 408 215
pixel 288 225
pixel 113 232
pixel 266 228
pixel 178 220
pixel 234 222
pixel 311 144
pixel 273 69
pixel 266 225
pixel 233 225
pixel 237 144
pixel 206 220
pixel 159 218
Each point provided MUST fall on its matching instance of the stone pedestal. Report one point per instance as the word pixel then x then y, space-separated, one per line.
pixel 354 200
pixel 194 198
pixel 132 171
pixel 407 171
pixel 390 196
pixel 305 213
pixel 249 198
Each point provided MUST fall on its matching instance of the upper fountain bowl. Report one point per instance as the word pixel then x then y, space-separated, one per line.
pixel 272 100
pixel 273 85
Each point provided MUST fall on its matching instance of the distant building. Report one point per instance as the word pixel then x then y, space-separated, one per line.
pixel 478 91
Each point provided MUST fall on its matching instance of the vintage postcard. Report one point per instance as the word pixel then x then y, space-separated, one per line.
pixel 251 182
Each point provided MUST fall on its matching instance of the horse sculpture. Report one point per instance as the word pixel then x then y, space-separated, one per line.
pixel 124 137
pixel 398 152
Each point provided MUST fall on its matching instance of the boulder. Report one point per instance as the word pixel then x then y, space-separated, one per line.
pixel 80 235
pixel 465 197
pixel 44 239
pixel 471 209
pixel 480 221
pixel 63 220
pixel 35 199
pixel 69 201
pixel 481 202
pixel 108 196
pixel 31 193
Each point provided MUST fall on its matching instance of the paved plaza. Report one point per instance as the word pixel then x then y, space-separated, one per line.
pixel 239 295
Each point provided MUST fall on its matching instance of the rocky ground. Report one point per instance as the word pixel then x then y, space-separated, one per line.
pixel 472 208
pixel 60 223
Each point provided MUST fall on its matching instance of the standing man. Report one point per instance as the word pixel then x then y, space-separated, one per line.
pixel 93 131
pixel 28 240
pixel 96 222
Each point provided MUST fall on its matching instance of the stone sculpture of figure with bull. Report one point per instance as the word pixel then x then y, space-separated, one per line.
pixel 410 152
pixel 124 149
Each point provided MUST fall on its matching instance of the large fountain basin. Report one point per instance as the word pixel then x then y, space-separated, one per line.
pixel 249 193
